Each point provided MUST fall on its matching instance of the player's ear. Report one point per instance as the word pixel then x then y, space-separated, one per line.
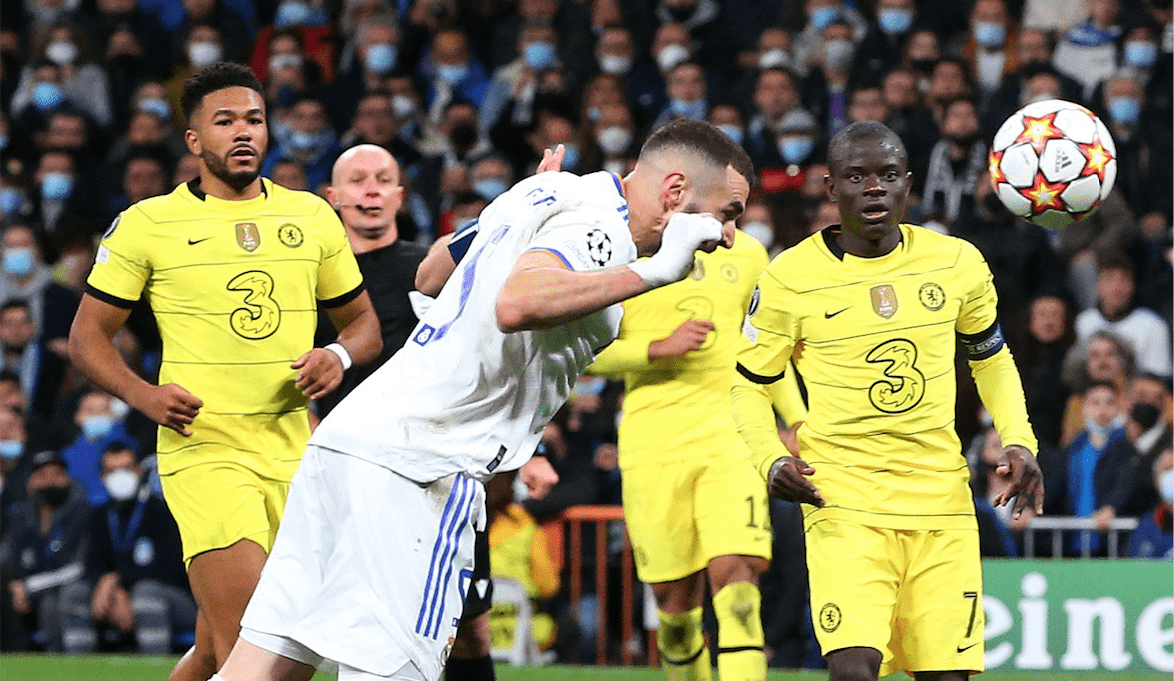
pixel 829 187
pixel 330 196
pixel 672 190
pixel 192 140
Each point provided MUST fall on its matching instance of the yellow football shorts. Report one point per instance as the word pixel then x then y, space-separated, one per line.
pixel 914 595
pixel 684 513
pixel 216 504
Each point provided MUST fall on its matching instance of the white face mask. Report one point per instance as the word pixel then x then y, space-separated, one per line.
pixel 614 140
pixel 61 52
pixel 762 232
pixel 615 64
pixel 203 54
pixel 671 55
pixel 402 106
pixel 121 484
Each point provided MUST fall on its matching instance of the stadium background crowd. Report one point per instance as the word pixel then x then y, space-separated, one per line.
pixel 466 95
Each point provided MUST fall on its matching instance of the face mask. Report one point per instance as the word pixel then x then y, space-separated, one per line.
pixel 402 106
pixel 1041 97
pixel 923 64
pixel 11 449
pixel 452 73
pixel 56 186
pixel 1125 110
pixel 733 132
pixel 539 55
pixel 838 53
pixel 121 484
pixel 1166 486
pixel 774 59
pixel 686 109
pixel 11 200
pixel 280 61
pixel 989 34
pixel 381 57
pixel 1141 54
pixel 47 96
pixel 464 135
pixel 822 17
pixel 571 157
pixel 614 64
pixel 671 55
pixel 489 188
pixel 796 149
pixel 119 409
pixel 964 139
pixel 53 497
pixel 292 14
pixel 614 140
pixel 304 141
pixel 203 54
pixel 895 21
pixel 761 232
pixel 159 107
pixel 18 261
pixel 97 427
pixel 61 52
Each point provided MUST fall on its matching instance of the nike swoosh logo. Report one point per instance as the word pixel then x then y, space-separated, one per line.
pixel 193 242
pixel 962 650
pixel 829 315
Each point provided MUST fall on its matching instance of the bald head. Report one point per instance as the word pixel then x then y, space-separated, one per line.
pixel 871 133
pixel 365 189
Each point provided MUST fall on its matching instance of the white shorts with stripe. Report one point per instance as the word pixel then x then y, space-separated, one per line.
pixel 369 570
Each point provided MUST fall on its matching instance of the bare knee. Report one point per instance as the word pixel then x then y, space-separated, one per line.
pixel 681 595
pixel 725 570
pixel 854 664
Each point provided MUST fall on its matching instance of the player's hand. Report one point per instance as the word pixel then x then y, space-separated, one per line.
pixel 20 597
pixel 538 476
pixel 168 405
pixel 103 599
pixel 551 160
pixel 788 481
pixel 683 236
pixel 1027 480
pixel 684 339
pixel 319 372
pixel 1104 516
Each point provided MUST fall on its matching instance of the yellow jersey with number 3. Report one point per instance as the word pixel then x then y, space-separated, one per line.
pixel 234 287
pixel 874 340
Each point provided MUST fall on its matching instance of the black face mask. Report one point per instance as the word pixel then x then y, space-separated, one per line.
pixel 464 135
pixel 923 64
pixel 966 140
pixel 53 497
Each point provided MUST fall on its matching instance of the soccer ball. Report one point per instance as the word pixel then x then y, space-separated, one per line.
pixel 1052 163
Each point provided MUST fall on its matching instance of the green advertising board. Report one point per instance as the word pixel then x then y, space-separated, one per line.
pixel 1069 615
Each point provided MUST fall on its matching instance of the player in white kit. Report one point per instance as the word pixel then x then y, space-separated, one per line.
pixel 369 568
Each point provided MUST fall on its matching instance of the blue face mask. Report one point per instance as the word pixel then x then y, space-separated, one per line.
pixel 381 57
pixel 989 34
pixel 571 157
pixel 895 21
pixel 796 149
pixel 11 200
pixel 1141 54
pixel 489 188
pixel 292 14
pixel 694 109
pixel 17 261
pixel 11 449
pixel 539 55
pixel 453 73
pixel 159 107
pixel 1166 486
pixel 304 141
pixel 822 17
pixel 1125 110
pixel 47 96
pixel 56 186
pixel 733 132
pixel 97 427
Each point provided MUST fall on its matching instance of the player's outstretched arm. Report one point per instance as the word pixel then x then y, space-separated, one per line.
pixel 436 267
pixel 359 341
pixel 91 348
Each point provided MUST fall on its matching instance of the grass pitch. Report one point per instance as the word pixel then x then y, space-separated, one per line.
pixel 148 668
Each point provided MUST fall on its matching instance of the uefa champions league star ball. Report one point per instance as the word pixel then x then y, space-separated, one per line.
pixel 1052 163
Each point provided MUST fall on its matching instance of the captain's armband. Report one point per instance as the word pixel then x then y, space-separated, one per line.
pixel 984 344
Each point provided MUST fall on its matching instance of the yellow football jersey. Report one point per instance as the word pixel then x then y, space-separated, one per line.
pixel 874 340
pixel 234 286
pixel 694 389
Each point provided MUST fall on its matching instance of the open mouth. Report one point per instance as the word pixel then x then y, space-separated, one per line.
pixel 874 213
pixel 243 153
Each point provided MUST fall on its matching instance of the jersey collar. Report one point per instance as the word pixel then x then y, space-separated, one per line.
pixel 830 233
pixel 199 193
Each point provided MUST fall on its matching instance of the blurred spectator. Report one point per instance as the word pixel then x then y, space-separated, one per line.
pixel 44 549
pixel 1103 358
pixel 305 136
pixel 143 176
pixel 457 143
pixel 1149 429
pixel 100 421
pixel 1154 536
pixel 825 92
pixel 203 46
pixel 775 95
pixel 375 49
pixel 1033 56
pixel 808 49
pixel 41 370
pixel 880 51
pixel 687 94
pixel 1054 16
pixel 1140 59
pixel 1040 358
pixel 134 46
pixel 949 80
pixel 451 72
pixel 922 53
pixel 308 21
pixel 615 54
pixel 235 35
pixel 490 176
pixel 1142 147
pixel 1092 477
pixel 291 175
pixel 955 165
pixel 615 143
pixel 134 576
pixel 911 120
pixel 1116 312
pixel 25 276
pixel 1088 51
pixel 78 77
pixel 990 46
pixel 1112 227
pixel 758 223
pixel 706 27
pixel 376 122
pixel 995 523
pixel 515 85
pixel 671 46
pixel 15 455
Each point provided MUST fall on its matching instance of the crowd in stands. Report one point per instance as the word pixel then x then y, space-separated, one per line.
pixel 467 95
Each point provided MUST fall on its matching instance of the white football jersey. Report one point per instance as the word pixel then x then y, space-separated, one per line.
pixel 461 396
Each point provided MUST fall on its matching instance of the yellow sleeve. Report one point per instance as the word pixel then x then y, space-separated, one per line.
pixel 338 272
pixel 622 356
pixel 755 420
pixel 122 265
pixel 787 399
pixel 771 329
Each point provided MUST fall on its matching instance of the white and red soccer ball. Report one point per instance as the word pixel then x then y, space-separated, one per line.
pixel 1052 163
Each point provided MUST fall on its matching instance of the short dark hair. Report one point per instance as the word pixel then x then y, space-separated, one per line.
pixel 1114 259
pixel 704 139
pixel 854 133
pixel 1097 383
pixel 216 77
